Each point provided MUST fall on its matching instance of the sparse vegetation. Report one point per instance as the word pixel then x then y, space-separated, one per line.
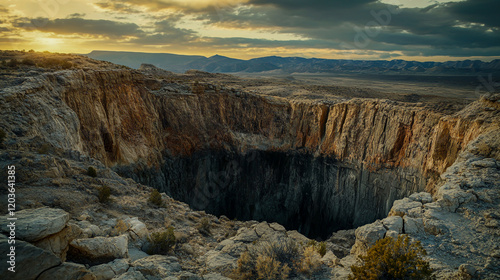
pixel 92 172
pixel 393 259
pixel 277 260
pixel 269 268
pixel 161 242
pixel 311 261
pixel 204 226
pixel 155 198
pixel 104 194
pixel 320 247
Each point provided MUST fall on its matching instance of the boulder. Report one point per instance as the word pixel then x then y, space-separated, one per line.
pixel 137 229
pixel 393 223
pixel 58 243
pixel 67 271
pixel 215 276
pixel 246 235
pixel 401 207
pixel 130 275
pixel 413 225
pixel 298 237
pixel 30 261
pixel 366 236
pixel 100 249
pixel 35 224
pixel 157 265
pixel 450 197
pixel 330 259
pixel 422 197
pixel 110 270
pixel 216 260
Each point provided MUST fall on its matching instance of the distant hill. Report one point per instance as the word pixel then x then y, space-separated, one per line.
pixel 222 64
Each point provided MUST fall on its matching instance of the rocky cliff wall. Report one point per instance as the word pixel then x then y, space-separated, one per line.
pixel 301 164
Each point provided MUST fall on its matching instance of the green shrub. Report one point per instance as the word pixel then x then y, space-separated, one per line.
pixel 204 226
pixel 104 194
pixel 155 198
pixel 161 242
pixel 92 172
pixel 275 260
pixel 321 248
pixel 393 259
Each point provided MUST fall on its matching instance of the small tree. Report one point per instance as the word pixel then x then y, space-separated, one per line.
pixel 155 198
pixel 104 194
pixel 92 172
pixel 204 226
pixel 161 242
pixel 393 259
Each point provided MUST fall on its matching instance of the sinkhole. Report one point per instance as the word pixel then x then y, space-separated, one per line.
pixel 311 194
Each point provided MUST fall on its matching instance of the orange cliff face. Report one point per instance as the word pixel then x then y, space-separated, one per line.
pixel 119 118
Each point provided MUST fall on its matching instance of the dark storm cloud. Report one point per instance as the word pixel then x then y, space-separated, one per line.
pixel 312 4
pixel 465 25
pixel 477 11
pixel 106 28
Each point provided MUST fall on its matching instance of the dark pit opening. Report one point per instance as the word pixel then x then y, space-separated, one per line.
pixel 314 195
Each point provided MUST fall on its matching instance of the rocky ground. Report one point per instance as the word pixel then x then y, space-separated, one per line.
pixel 65 231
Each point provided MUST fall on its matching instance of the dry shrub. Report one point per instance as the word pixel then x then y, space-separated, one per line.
pixel 161 242
pixel 269 268
pixel 104 194
pixel 204 226
pixel 155 198
pixel 311 262
pixel 393 259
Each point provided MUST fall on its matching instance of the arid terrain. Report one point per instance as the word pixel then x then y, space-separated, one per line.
pixel 143 173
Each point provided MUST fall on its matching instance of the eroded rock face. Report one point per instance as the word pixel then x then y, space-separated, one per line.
pixel 99 249
pixel 30 261
pixel 460 229
pixel 36 224
pixel 339 164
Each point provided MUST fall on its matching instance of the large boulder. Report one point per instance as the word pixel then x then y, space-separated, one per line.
pixel 366 236
pixel 30 260
pixel 58 243
pixel 157 266
pixel 99 249
pixel 67 271
pixel 137 229
pixel 35 224
pixel 110 270
pixel 402 206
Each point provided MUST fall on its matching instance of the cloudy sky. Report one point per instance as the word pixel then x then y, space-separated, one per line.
pixel 351 29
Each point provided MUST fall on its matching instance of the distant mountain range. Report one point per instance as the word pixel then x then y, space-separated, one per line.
pixel 222 64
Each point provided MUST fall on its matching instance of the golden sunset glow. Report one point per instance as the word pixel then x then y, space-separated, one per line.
pixel 361 29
